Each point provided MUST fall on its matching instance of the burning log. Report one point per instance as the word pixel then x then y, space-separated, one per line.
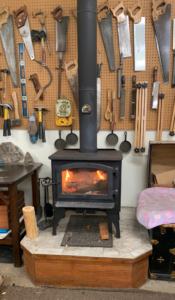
pixel 101 185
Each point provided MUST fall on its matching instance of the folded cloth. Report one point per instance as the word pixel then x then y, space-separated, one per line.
pixel 156 206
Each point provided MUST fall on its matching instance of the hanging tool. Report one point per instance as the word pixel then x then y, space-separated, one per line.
pixel 17 121
pixel 8 42
pixel 42 13
pixel 125 146
pixel 139 37
pixel 119 76
pixel 105 23
pixel 99 92
pixel 172 132
pixel 137 118
pixel 173 79
pixel 133 98
pixel 60 144
pixel 0 73
pixel 23 83
pixel 108 110
pixel 123 30
pixel 37 86
pixel 112 138
pixel 6 126
pixel 72 76
pixel 61 30
pixel 71 138
pixel 155 92
pixel 32 129
pixel 63 108
pixel 41 122
pixel 122 101
pixel 6 72
pixel 162 27
pixel 143 117
pixel 160 117
pixel 1 108
pixel 40 35
pixel 47 85
pixel 22 24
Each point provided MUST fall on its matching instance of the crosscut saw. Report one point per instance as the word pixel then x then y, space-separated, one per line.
pixel 105 23
pixel 99 92
pixel 8 42
pixel 123 30
pixel 72 76
pixel 139 37
pixel 161 15
pixel 22 24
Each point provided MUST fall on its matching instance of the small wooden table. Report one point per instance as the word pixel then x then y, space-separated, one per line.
pixel 16 173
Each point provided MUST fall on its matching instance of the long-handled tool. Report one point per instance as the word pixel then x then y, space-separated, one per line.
pixel 133 98
pixel 112 138
pixel 160 117
pixel 143 117
pixel 22 23
pixel 40 35
pixel 139 37
pixel 173 78
pixel 119 76
pixel 123 30
pixel 137 118
pixel 8 42
pixel 161 15
pixel 1 108
pixel 41 122
pixel 108 110
pixel 6 72
pixel 155 92
pixel 104 17
pixel 172 132
pixel 61 30
pixel 122 101
pixel 42 16
pixel 99 92
pixel 23 83
pixel 6 126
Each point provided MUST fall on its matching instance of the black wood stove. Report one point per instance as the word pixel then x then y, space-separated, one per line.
pixel 87 178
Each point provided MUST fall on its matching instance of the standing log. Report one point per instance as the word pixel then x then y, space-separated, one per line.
pixel 30 222
pixel 103 227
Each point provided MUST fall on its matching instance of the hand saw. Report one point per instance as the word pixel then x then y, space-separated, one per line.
pixel 72 76
pixel 22 24
pixel 99 92
pixel 162 26
pixel 123 30
pixel 8 42
pixel 105 23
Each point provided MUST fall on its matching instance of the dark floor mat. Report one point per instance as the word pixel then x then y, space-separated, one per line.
pixel 6 254
pixel 78 235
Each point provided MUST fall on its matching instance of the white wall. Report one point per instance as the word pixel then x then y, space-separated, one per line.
pixel 134 167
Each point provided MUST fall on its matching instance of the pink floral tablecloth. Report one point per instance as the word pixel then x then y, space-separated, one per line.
pixel 156 206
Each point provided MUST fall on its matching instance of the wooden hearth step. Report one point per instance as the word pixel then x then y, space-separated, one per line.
pixel 73 204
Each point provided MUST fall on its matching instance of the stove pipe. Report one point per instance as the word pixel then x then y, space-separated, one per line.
pixel 87 73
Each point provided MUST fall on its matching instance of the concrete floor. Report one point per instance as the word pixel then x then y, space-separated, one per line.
pixel 17 277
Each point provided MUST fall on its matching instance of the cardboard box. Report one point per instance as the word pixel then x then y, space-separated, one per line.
pixel 165 177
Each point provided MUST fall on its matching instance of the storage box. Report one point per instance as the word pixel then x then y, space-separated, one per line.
pixel 5 222
pixel 161 159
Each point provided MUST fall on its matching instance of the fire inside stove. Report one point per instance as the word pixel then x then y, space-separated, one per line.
pixel 84 181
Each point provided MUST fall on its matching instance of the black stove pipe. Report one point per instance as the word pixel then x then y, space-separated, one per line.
pixel 87 73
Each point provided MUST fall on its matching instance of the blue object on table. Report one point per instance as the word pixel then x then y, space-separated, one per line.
pixel 3 230
pixel 2 163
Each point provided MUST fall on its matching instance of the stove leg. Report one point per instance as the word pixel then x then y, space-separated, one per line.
pixel 59 213
pixel 114 218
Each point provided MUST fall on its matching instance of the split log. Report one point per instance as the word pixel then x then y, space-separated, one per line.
pixel 101 185
pixel 1 279
pixel 104 231
pixel 30 222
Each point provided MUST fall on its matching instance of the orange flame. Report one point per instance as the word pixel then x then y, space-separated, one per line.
pixel 67 175
pixel 101 177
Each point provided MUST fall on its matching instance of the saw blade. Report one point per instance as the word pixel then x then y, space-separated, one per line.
pixel 139 45
pixel 107 35
pixel 26 35
pixel 73 81
pixel 162 28
pixel 8 42
pixel 61 30
pixel 124 38
pixel 155 94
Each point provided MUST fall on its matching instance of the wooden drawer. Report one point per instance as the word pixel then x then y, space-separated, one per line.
pixel 161 158
pixel 5 222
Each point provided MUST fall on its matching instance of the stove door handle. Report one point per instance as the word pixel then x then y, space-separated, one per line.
pixel 115 193
pixel 116 171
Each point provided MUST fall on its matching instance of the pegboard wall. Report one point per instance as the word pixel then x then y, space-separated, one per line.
pixel 108 79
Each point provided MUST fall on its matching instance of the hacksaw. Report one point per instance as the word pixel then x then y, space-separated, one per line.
pixel 23 85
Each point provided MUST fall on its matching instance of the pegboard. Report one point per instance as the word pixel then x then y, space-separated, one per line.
pixel 108 79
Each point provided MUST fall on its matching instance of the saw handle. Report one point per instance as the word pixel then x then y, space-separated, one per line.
pixel 40 12
pixel 72 71
pixel 138 15
pixel 121 17
pixel 57 14
pixel 158 7
pixel 20 20
pixel 133 81
pixel 123 81
pixel 14 96
pixel 102 11
pixel 155 74
pixel 4 11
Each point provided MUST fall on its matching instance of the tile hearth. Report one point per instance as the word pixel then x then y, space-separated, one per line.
pixel 134 240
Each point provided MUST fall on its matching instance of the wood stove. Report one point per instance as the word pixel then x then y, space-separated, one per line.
pixel 87 181
pixel 87 178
